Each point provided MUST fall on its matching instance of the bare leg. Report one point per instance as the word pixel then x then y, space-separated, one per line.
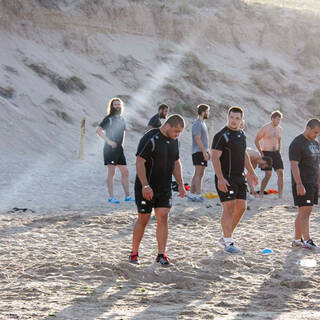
pixel 226 217
pixel 280 182
pixel 124 179
pixel 239 209
pixel 162 228
pixel 110 176
pixel 138 230
pixel 302 223
pixel 196 182
pixel 264 182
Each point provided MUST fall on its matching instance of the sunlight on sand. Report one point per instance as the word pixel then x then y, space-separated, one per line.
pixel 309 5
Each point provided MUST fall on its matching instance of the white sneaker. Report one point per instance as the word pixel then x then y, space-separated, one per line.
pixel 221 243
pixel 231 248
pixel 297 243
pixel 309 244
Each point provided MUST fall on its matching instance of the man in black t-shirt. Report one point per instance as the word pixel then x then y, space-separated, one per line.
pixel 304 156
pixel 155 122
pixel 229 158
pixel 157 160
pixel 112 131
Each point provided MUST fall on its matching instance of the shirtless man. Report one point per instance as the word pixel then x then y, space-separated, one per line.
pixel 257 160
pixel 270 134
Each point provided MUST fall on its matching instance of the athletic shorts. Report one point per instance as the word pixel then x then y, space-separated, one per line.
pixel 159 200
pixel 198 159
pixel 114 156
pixel 236 190
pixel 309 199
pixel 277 162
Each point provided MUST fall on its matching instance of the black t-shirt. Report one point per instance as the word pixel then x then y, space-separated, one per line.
pixel 233 146
pixel 114 128
pixel 155 122
pixel 307 153
pixel 160 153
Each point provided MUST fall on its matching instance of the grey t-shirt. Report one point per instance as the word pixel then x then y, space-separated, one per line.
pixel 199 128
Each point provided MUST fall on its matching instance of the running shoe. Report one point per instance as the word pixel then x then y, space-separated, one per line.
pixel 113 200
pixel 127 199
pixel 191 196
pixel 162 259
pixel 221 243
pixel 133 257
pixel 297 243
pixel 198 199
pixel 231 248
pixel 310 245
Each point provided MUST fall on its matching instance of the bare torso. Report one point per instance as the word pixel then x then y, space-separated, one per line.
pixel 271 137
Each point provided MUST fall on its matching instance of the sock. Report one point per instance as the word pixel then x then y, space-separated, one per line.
pixel 228 240
pixel 297 240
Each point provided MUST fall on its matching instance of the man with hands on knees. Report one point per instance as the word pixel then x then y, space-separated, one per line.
pixel 157 159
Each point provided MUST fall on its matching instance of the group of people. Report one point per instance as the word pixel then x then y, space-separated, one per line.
pixel 157 160
pixel 267 157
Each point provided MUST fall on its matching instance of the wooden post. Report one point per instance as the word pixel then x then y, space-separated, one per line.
pixel 83 130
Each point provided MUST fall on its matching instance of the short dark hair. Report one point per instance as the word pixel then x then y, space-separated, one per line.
pixel 163 106
pixel 268 160
pixel 276 114
pixel 236 110
pixel 175 120
pixel 202 108
pixel 313 123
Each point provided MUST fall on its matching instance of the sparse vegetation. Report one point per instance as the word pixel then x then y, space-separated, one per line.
pixel 6 92
pixel 63 115
pixel 10 69
pixel 64 84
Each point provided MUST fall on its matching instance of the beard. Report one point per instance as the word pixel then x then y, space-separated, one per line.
pixel 205 117
pixel 115 112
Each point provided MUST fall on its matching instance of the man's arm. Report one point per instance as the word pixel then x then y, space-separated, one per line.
pixel 100 133
pixel 222 182
pixel 150 127
pixel 177 173
pixel 259 136
pixel 297 178
pixel 252 177
pixel 147 191
pixel 205 153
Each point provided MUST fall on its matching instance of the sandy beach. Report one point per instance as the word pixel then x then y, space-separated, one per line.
pixel 64 249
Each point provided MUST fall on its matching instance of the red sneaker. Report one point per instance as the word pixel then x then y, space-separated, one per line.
pixel 133 257
pixel 162 259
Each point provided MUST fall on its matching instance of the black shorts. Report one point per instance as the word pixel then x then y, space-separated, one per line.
pixel 236 190
pixel 277 162
pixel 309 199
pixel 159 200
pixel 113 156
pixel 198 159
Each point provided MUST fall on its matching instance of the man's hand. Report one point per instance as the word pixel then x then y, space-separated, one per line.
pixel 223 185
pixel 206 155
pixel 301 191
pixel 252 177
pixel 182 191
pixel 112 144
pixel 147 192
